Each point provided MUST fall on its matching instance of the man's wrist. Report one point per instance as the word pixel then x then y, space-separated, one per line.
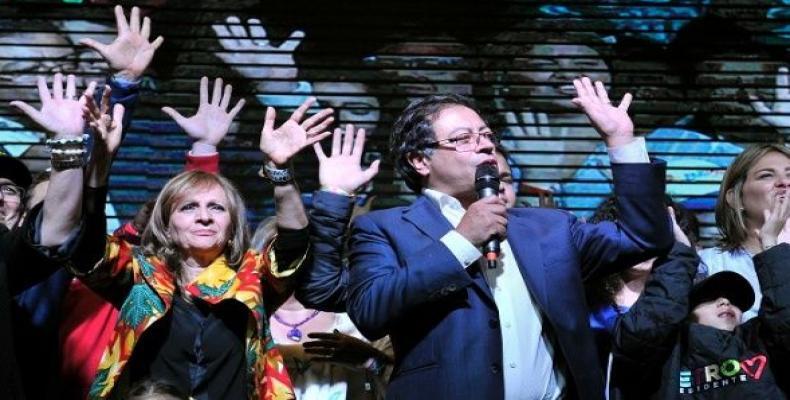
pixel 337 190
pixel 203 149
pixel 631 152
pixel 127 75
pixel 768 242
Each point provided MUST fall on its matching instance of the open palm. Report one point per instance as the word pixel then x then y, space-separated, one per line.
pixel 778 115
pixel 244 51
pixel 342 169
pixel 60 113
pixel 213 119
pixel 130 52
pixel 281 144
pixel 612 123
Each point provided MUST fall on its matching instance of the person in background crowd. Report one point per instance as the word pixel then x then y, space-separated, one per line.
pixel 507 188
pixel 612 296
pixel 42 310
pixel 462 330
pixel 752 180
pixel 340 364
pixel 49 234
pixel 155 390
pixel 687 341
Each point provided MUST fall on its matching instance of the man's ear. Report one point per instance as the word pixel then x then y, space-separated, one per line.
pixel 420 162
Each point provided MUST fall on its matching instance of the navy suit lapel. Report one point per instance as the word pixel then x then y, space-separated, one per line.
pixel 425 215
pixel 525 245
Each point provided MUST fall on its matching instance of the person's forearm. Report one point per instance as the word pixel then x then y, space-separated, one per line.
pixel 100 170
pixel 62 206
pixel 126 92
pixel 288 206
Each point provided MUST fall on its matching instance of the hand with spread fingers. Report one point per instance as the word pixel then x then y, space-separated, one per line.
pixel 106 128
pixel 342 169
pixel 532 124
pixel 212 120
pixel 281 144
pixel 247 46
pixel 612 122
pixel 131 51
pixel 340 348
pixel 61 111
pixel 106 131
pixel 778 115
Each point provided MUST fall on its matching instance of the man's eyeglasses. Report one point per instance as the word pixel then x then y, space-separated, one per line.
pixel 11 190
pixel 463 142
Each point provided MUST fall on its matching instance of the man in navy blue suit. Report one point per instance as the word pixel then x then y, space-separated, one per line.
pixel 462 330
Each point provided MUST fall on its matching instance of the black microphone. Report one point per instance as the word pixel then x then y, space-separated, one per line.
pixel 486 185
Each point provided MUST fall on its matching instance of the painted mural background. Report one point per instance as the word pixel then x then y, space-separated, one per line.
pixel 706 75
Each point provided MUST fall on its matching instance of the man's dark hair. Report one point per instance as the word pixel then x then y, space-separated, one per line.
pixel 413 131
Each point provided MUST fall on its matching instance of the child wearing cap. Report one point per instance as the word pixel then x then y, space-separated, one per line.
pixel 682 340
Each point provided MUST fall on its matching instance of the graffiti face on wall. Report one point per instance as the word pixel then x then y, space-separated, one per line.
pixel 421 69
pixel 351 101
pixel 547 135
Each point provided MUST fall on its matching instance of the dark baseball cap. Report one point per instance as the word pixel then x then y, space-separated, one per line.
pixel 14 170
pixel 730 285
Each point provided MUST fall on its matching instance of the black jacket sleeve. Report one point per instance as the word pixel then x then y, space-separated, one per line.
pixel 773 272
pixel 323 285
pixel 28 263
pixel 647 333
pixel 90 250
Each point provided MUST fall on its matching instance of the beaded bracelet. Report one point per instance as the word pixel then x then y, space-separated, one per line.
pixel 64 163
pixel 275 175
pixel 67 153
pixel 76 142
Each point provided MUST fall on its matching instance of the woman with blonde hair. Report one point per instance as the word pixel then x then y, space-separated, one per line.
pixel 194 298
pixel 755 178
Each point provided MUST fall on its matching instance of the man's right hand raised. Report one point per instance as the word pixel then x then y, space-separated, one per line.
pixel 485 218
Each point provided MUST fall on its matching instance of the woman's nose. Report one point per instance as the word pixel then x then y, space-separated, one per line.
pixel 204 215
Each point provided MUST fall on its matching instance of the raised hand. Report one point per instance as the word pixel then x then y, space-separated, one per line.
pixel 212 120
pixel 778 115
pixel 131 51
pixel 531 124
pixel 106 131
pixel 612 123
pixel 106 128
pixel 245 52
pixel 774 229
pixel 60 113
pixel 280 144
pixel 342 169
